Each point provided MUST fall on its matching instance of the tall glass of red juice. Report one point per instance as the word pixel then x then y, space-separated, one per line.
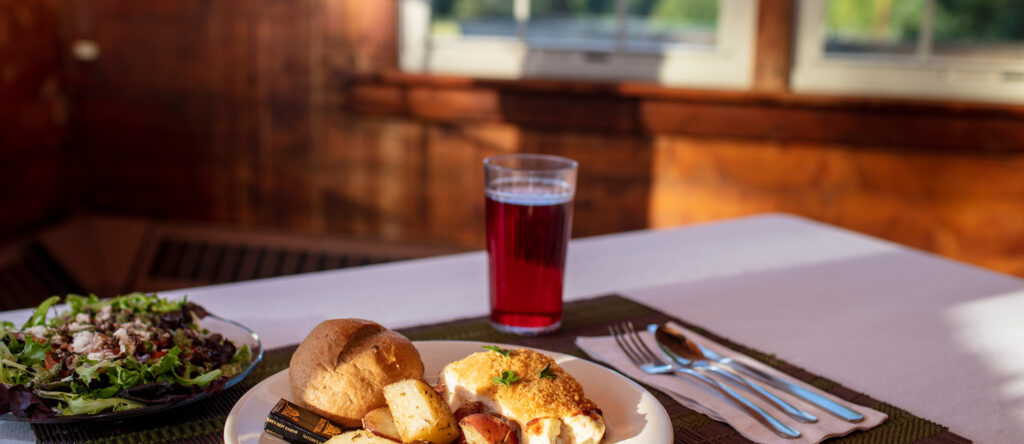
pixel 529 220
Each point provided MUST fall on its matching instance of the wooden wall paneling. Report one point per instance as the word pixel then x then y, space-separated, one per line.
pixel 33 189
pixel 401 177
pixel 283 113
pixel 940 202
pixel 614 177
pixel 455 178
pixel 361 36
pixel 372 178
pixel 32 115
pixel 237 125
pixel 144 105
pixel 225 87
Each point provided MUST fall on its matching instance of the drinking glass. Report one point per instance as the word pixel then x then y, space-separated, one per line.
pixel 529 220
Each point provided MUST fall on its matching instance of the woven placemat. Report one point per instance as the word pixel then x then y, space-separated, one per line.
pixel 203 421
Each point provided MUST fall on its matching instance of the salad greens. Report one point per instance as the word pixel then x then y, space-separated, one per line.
pixel 112 354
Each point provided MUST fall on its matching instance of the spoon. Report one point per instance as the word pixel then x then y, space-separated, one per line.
pixel 688 354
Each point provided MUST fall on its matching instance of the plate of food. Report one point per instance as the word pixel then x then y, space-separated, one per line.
pixel 114 358
pixel 354 381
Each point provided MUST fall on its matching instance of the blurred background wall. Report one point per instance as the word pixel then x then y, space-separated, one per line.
pixel 293 115
pixel 32 115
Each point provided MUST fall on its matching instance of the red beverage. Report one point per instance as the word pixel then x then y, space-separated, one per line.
pixel 528 226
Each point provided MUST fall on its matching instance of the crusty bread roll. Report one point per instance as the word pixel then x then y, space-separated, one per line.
pixel 341 368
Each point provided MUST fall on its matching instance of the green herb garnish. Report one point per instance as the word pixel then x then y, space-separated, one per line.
pixel 546 372
pixel 498 350
pixel 507 378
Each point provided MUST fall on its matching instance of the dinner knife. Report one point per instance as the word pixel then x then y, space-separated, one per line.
pixel 824 403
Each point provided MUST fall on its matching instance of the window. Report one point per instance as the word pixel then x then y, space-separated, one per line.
pixel 966 49
pixel 706 43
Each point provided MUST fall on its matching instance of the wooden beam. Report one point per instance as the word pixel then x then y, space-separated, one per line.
pixel 780 117
pixel 774 53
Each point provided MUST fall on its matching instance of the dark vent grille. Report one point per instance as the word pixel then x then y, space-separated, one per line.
pixel 207 262
pixel 32 277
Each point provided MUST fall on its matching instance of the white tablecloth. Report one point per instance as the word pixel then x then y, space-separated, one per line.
pixel 942 339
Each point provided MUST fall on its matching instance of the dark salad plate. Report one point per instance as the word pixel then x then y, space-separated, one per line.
pixel 63 406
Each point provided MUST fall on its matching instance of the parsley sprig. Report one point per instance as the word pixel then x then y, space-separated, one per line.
pixel 546 372
pixel 498 350
pixel 506 379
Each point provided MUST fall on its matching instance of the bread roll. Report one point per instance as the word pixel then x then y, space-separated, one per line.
pixel 340 369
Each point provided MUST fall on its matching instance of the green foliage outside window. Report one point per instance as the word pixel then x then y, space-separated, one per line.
pixel 698 13
pixel 689 12
pixel 900 20
pixel 469 9
pixel 979 20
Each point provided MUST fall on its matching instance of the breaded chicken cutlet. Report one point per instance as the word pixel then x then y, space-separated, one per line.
pixel 544 402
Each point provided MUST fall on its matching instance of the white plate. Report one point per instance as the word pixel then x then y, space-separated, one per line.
pixel 633 415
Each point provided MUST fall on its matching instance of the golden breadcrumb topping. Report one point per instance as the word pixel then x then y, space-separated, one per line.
pixel 531 396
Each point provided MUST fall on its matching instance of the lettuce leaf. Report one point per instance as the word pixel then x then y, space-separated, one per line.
pixel 238 362
pixel 89 373
pixel 39 315
pixel 44 375
pixel 33 353
pixel 83 304
pixel 22 403
pixel 144 303
pixel 200 380
pixel 135 302
pixel 243 355
pixel 12 373
pixel 82 405
pixel 127 378
pixel 167 363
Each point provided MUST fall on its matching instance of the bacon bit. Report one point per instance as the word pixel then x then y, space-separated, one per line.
pixel 159 354
pixel 49 361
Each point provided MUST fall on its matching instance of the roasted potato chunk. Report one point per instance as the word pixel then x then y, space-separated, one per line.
pixel 483 428
pixel 380 422
pixel 467 409
pixel 358 437
pixel 420 413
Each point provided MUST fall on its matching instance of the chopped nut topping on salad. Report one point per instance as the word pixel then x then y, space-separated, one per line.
pixel 111 355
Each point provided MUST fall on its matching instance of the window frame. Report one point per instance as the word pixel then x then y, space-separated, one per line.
pixel 920 75
pixel 729 65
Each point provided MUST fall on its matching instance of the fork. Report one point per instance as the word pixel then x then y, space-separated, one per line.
pixel 629 340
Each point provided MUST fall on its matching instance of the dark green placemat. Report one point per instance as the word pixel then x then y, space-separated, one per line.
pixel 204 421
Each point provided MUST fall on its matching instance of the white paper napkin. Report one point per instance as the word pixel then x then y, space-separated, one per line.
pixel 698 396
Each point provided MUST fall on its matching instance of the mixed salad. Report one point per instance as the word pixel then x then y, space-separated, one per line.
pixel 112 354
